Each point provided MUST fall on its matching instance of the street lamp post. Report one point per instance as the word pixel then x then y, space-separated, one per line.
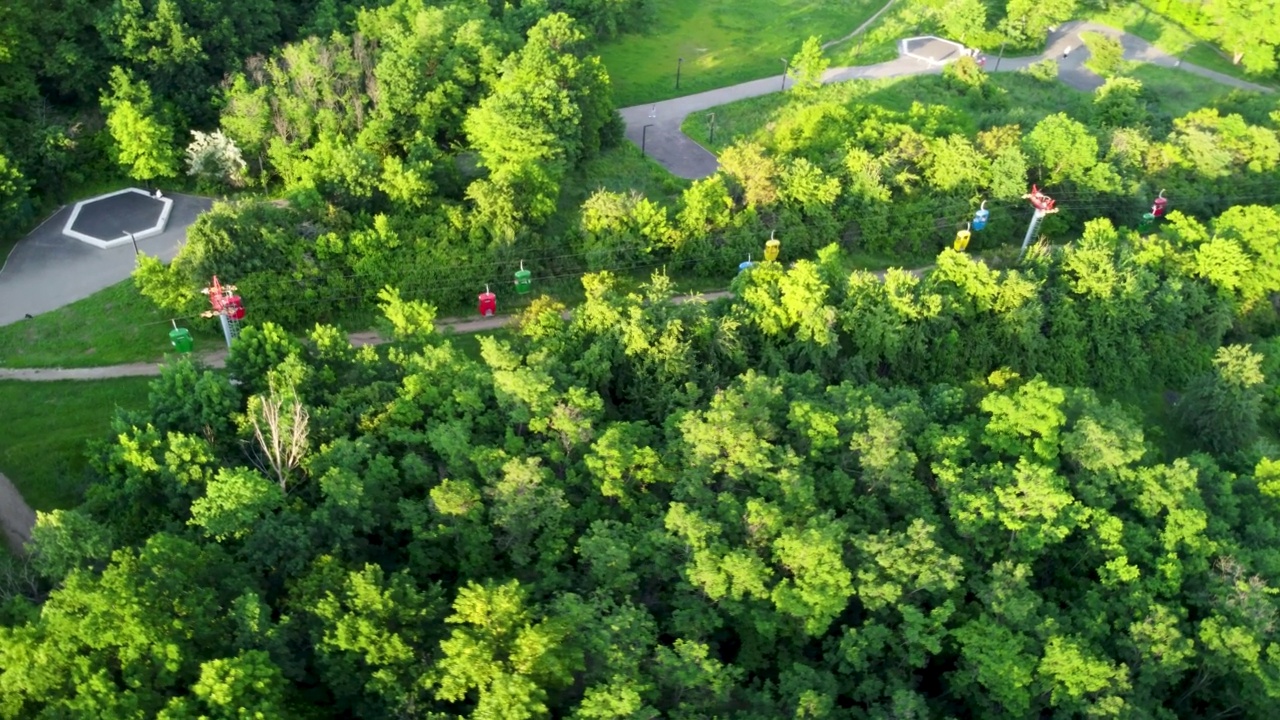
pixel 711 128
pixel 786 65
pixel 1001 57
pixel 679 62
pixel 136 253
pixel 644 136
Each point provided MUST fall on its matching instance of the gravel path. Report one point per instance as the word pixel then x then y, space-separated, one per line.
pixel 678 153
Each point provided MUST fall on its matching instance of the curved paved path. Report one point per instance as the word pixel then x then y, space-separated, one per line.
pixel 679 154
pixel 16 517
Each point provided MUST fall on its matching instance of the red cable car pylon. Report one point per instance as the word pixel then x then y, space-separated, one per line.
pixel 1044 206
pixel 229 308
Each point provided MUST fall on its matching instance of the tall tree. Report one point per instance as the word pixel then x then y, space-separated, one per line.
pixel 1223 406
pixel 1241 33
pixel 144 141
pixel 808 65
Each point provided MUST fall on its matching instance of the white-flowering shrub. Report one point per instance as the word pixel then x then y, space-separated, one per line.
pixel 214 157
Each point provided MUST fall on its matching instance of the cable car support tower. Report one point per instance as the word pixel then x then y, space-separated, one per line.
pixel 229 308
pixel 1044 206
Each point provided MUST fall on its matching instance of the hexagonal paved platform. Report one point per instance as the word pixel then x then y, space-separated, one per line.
pixel 109 220
pixel 932 49
pixel 47 269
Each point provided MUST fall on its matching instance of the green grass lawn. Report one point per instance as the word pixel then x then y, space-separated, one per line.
pixel 1178 92
pixel 723 42
pixel 115 325
pixel 879 42
pixel 619 169
pixel 470 344
pixel 46 425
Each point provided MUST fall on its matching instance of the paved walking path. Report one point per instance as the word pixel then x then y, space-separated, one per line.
pixel 16 517
pixel 678 153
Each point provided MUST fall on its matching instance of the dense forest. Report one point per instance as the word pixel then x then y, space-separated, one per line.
pixel 832 496
pixel 964 491
pixel 99 88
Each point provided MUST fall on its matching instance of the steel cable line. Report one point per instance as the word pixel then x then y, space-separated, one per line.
pixel 425 274
pixel 420 276
pixel 960 204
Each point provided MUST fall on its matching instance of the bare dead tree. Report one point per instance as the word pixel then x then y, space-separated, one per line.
pixel 280 425
pixel 1247 594
pixel 256 67
pixel 18 578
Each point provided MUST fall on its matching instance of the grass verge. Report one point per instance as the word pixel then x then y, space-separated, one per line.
pixel 1176 92
pixel 722 42
pixel 619 169
pixel 46 426
pixel 114 325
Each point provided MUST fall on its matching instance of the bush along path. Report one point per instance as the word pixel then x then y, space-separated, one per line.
pixel 664 141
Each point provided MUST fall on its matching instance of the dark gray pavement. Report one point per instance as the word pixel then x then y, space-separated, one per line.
pixel 47 269
pixel 112 217
pixel 687 159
